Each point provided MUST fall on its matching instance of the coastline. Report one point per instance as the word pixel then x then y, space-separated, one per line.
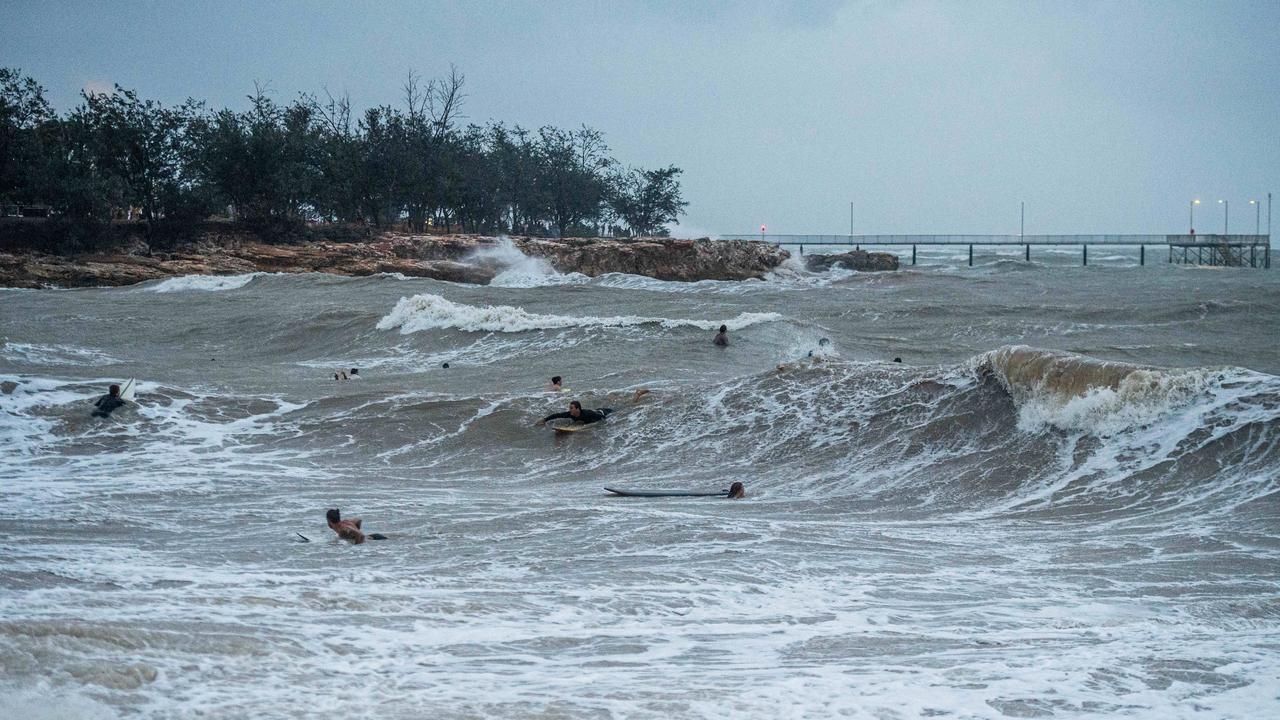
pixel 463 258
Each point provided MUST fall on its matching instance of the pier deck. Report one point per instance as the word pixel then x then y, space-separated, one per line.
pixel 1227 250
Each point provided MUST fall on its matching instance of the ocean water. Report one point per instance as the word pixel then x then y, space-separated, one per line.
pixel 1064 502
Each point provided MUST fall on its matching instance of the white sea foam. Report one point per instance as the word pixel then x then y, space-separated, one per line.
pixel 206 283
pixel 432 312
pixel 520 270
pixel 34 354
pixel 1072 392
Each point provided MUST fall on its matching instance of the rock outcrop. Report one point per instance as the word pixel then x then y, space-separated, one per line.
pixel 451 257
pixel 859 260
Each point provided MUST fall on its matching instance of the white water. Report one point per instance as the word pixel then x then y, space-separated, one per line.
pixel 433 312
pixel 205 283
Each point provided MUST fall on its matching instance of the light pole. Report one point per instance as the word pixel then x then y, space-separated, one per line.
pixel 1226 215
pixel 1257 217
pixel 1193 204
pixel 1022 220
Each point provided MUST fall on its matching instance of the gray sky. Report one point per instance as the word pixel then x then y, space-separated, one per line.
pixel 930 117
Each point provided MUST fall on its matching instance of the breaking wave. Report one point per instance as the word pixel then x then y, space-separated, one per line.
pixel 206 283
pixel 432 312
pixel 1073 392
pixel 520 270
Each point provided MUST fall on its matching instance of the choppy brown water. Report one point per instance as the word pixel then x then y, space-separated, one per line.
pixel 1063 503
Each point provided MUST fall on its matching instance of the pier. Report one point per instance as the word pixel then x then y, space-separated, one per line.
pixel 1218 250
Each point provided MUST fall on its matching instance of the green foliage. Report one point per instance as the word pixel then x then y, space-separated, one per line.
pixel 277 167
pixel 648 200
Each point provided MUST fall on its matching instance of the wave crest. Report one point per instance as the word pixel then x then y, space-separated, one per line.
pixel 207 283
pixel 1073 392
pixel 432 312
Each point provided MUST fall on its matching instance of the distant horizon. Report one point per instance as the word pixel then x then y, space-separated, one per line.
pixel 930 117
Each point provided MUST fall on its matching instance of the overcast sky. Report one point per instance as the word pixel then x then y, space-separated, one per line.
pixel 929 117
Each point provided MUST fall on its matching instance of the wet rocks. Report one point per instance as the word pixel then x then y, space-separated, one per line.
pixel 449 257
pixel 859 260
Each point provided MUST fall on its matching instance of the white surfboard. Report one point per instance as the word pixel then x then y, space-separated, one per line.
pixel 128 389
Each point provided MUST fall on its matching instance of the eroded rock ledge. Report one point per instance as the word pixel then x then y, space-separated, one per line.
pixel 457 258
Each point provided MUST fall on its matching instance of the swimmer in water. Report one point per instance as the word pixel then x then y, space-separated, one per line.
pixel 722 337
pixel 556 385
pixel 349 529
pixel 737 491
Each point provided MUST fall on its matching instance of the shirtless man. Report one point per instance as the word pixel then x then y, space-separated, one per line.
pixel 722 337
pixel 349 529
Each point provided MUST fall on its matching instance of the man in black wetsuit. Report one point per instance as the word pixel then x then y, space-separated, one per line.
pixel 586 417
pixel 108 403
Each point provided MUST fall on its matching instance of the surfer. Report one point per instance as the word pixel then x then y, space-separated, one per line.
pixel 556 385
pixel 349 529
pixel 354 375
pixel 722 337
pixel 108 403
pixel 737 491
pixel 576 413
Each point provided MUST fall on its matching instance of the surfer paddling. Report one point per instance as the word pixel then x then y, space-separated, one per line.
pixel 108 403
pixel 577 414
pixel 349 529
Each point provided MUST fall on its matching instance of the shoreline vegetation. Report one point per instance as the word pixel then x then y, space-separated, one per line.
pixel 411 166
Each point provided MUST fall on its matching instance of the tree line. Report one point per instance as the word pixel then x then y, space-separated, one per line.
pixel 316 159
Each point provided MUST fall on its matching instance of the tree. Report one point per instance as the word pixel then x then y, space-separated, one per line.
pixel 647 200
pixel 139 143
pixel 572 173
pixel 318 159
pixel 25 119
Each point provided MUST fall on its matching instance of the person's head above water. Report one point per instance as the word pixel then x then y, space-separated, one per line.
pixel 333 515
pixel 555 380
pixel 737 491
pixel 355 371
pixel 575 408
pixel 114 390
pixel 724 328
pixel 823 342
pixel 897 360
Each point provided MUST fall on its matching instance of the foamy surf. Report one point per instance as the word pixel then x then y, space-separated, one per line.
pixel 907 525
pixel 433 312
pixel 203 283
pixel 1073 392
pixel 520 270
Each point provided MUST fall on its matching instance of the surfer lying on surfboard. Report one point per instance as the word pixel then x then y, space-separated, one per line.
pixel 576 413
pixel 349 529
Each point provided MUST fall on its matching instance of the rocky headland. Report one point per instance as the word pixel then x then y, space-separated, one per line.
pixel 457 258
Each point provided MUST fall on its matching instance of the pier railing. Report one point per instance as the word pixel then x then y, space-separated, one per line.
pixel 1210 249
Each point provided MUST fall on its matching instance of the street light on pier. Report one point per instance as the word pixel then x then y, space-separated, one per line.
pixel 1226 215
pixel 1257 217
pixel 1193 204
